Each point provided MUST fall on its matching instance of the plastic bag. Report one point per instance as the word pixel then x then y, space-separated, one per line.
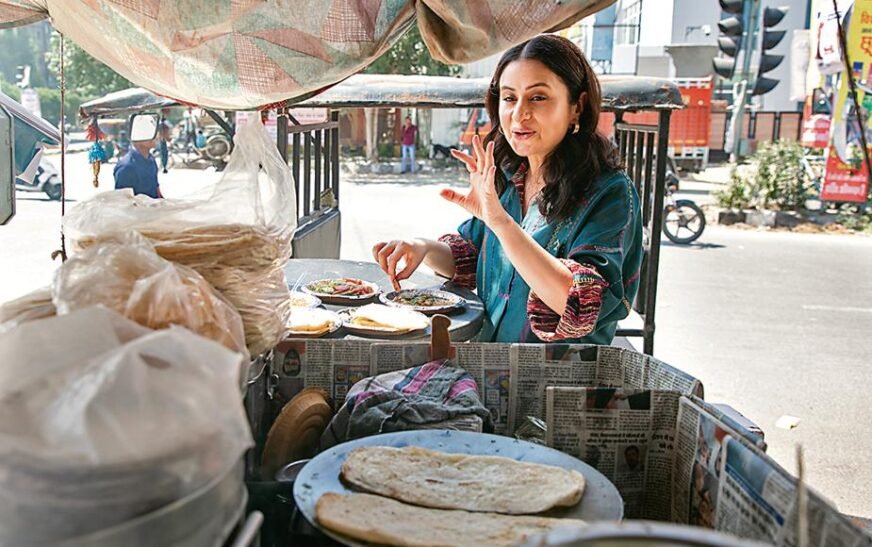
pixel 126 275
pixel 102 420
pixel 31 306
pixel 236 234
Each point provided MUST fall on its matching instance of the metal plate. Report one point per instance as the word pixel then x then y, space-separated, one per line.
pixel 341 299
pixel 335 324
pixel 376 332
pixel 601 500
pixel 454 300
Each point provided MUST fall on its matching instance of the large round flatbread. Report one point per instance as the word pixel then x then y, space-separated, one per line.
pixel 375 519
pixel 460 481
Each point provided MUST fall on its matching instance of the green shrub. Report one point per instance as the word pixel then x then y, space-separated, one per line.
pixel 777 182
pixel 735 195
pixel 861 222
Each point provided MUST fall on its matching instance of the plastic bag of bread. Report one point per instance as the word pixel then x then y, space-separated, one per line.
pixel 103 420
pixel 34 305
pixel 237 234
pixel 126 275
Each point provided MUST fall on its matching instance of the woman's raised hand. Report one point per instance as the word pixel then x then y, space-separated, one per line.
pixel 482 200
pixel 389 253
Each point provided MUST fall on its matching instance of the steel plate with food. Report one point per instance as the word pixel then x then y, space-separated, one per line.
pixel 465 488
pixel 342 290
pixel 423 300
pixel 378 319
pixel 312 322
pixel 301 299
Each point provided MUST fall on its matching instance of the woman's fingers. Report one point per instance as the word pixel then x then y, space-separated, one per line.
pixel 478 150
pixel 465 158
pixel 393 259
pixel 406 273
pixel 376 248
pixel 383 254
pixel 452 196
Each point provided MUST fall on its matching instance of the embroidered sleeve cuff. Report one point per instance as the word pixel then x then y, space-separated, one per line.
pixel 465 259
pixel 582 306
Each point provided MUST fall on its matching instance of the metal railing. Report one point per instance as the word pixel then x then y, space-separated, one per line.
pixel 314 161
pixel 644 149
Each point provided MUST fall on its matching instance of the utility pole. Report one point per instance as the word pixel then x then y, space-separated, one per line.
pixel 741 88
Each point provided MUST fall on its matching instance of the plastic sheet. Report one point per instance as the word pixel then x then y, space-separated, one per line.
pixel 126 275
pixel 102 420
pixel 236 234
pixel 31 306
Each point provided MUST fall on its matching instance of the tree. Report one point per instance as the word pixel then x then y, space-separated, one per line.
pixel 409 55
pixel 26 46
pixel 83 74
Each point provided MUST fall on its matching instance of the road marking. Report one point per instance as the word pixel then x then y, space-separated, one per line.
pixel 837 308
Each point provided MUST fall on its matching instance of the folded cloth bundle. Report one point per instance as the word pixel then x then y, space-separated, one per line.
pixel 414 398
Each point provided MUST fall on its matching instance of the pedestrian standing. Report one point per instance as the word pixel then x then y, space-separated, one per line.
pixel 408 147
pixel 163 145
pixel 138 170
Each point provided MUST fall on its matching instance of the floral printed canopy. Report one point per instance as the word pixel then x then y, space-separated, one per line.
pixel 237 54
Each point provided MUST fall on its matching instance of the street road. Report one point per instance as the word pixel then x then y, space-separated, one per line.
pixel 772 323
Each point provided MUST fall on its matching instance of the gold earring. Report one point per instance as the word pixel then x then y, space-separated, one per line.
pixel 500 129
pixel 576 128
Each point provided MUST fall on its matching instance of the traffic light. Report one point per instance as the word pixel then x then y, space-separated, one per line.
pixel 771 39
pixel 730 39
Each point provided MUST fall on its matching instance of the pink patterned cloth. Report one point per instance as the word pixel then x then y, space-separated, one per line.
pixel 582 306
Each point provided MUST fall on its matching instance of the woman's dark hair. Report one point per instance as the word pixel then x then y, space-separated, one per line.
pixel 580 158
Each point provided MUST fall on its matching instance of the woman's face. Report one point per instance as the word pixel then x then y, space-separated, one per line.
pixel 535 112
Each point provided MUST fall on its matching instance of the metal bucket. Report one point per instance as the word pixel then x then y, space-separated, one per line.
pixel 204 518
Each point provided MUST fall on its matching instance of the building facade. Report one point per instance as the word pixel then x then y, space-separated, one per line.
pixel 678 39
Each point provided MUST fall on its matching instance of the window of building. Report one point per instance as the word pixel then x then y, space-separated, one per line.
pixel 627 26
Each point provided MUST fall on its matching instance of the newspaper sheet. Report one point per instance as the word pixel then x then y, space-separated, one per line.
pixel 701 431
pixel 758 501
pixel 626 434
pixel 659 375
pixel 490 365
pixel 331 365
pixel 535 367
pixel 391 356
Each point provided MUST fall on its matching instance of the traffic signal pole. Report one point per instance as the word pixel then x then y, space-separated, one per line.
pixel 742 87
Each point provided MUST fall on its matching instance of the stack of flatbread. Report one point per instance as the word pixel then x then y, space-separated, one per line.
pixel 379 317
pixel 312 321
pixel 424 497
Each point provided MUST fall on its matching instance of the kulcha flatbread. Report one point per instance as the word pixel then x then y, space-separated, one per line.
pixel 460 481
pixel 375 519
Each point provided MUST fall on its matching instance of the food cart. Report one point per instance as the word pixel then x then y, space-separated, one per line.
pixel 589 407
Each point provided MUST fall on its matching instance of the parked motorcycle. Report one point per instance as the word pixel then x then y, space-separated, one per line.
pixel 45 180
pixel 216 150
pixel 683 220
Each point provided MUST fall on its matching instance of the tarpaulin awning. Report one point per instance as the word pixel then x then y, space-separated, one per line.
pixel 242 54
pixel 385 91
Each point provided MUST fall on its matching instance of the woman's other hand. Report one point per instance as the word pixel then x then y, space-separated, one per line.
pixel 388 255
pixel 482 200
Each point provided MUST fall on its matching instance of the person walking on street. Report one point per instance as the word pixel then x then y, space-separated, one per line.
pixel 408 148
pixel 138 170
pixel 163 145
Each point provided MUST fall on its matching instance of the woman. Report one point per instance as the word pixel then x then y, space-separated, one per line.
pixel 555 243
